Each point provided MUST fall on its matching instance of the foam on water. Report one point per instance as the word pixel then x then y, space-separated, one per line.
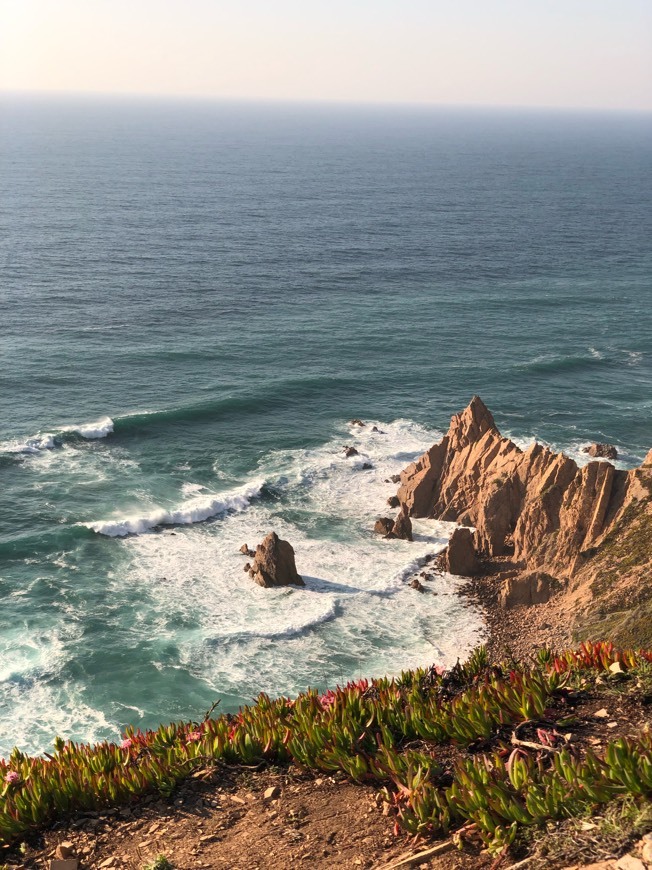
pixel 194 510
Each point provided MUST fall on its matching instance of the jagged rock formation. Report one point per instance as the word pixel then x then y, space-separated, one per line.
pixel 402 527
pixel 460 557
pixel 534 505
pixel 274 563
pixel 535 508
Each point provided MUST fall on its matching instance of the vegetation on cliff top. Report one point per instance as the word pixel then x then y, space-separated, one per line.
pixel 484 751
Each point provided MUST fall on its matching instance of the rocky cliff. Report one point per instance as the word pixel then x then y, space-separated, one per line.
pixel 535 509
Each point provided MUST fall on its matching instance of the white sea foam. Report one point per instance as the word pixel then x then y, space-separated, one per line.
pixel 194 510
pixel 30 445
pixel 92 431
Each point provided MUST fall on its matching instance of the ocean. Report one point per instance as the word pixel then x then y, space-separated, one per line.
pixel 196 299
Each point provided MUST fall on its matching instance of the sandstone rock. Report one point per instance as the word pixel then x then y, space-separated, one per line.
pixel 274 564
pixel 350 451
pixel 244 549
pixel 535 505
pixel 402 527
pixel 459 557
pixel 383 526
pixel 393 501
pixel 527 589
pixel 272 793
pixel 601 451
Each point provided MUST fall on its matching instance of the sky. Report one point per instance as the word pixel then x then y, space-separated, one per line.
pixel 562 53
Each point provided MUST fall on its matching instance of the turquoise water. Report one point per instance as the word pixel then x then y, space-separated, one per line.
pixel 196 298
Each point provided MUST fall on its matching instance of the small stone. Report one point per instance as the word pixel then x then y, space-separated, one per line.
pixel 64 850
pixel 319 781
pixel 207 838
pixel 601 714
pixel 612 724
pixel 237 800
pixel 272 793
pixel 616 668
pixel 65 864
pixel 109 862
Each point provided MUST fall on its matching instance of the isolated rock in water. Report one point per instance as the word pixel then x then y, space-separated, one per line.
pixel 393 501
pixel 274 564
pixel 402 527
pixel 383 526
pixel 601 451
pixel 416 584
pixel 356 422
pixel 366 466
pixel 350 451
pixel 459 557
pixel 244 549
pixel 527 589
pixel 378 431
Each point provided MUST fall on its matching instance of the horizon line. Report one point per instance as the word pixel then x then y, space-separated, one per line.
pixel 317 101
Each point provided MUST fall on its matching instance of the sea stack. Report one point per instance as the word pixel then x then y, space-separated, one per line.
pixel 274 563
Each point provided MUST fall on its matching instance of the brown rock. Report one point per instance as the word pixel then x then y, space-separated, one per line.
pixel 527 589
pixel 64 850
pixel 244 549
pixel 416 584
pixel 383 526
pixel 247 566
pixel 601 451
pixel 459 557
pixel 402 527
pixel 274 564
pixel 393 501
pixel 350 451
pixel 534 505
pixel 272 793
pixel 65 864
pixel 356 422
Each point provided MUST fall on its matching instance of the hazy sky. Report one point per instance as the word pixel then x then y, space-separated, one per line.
pixel 585 53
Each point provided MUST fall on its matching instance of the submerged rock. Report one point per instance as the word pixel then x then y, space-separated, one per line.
pixel 350 451
pixel 274 563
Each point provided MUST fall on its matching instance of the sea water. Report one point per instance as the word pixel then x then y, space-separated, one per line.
pixel 197 298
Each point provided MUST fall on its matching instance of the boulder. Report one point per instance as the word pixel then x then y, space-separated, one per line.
pixel 274 563
pixel 402 527
pixel 383 526
pixel 393 501
pixel 415 583
pixel 527 589
pixel 459 557
pixel 350 451
pixel 356 422
pixel 367 466
pixel 244 549
pixel 601 451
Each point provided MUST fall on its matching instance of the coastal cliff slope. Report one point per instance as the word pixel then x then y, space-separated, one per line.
pixel 535 512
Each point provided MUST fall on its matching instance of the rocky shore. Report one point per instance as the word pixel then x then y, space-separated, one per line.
pixel 566 550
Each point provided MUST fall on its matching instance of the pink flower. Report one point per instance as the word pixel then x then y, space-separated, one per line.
pixel 193 736
pixel 126 743
pixel 12 776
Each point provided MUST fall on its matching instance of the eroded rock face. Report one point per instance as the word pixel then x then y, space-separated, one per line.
pixel 527 589
pixel 460 557
pixel 274 563
pixel 601 451
pixel 536 506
